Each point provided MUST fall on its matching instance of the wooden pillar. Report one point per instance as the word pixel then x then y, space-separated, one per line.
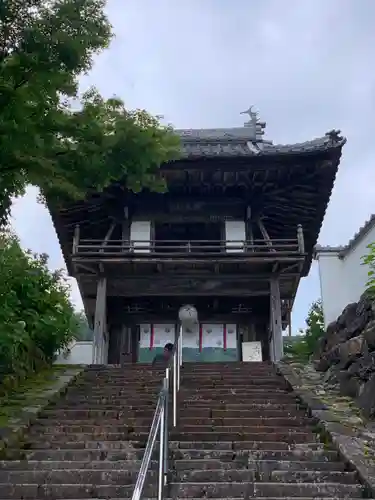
pixel 100 322
pixel 125 230
pixel 276 344
pixel 76 239
pixel 249 229
pixel 125 344
pixel 300 238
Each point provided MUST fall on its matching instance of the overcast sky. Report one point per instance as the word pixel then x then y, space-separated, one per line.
pixel 308 66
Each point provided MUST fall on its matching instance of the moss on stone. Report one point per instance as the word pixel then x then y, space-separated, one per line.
pixel 28 393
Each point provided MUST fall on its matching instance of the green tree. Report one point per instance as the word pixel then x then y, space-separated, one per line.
pixel 44 46
pixel 369 260
pixel 36 316
pixel 84 332
pixel 305 346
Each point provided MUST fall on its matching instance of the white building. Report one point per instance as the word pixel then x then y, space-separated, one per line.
pixel 342 275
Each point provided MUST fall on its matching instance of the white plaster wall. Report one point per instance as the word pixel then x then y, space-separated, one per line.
pixel 235 230
pixel 140 234
pixel 80 353
pixel 343 281
pixel 332 286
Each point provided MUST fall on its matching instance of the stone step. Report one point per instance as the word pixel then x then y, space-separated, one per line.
pixel 278 456
pixel 155 375
pixel 217 389
pixel 187 381
pixel 238 393
pixel 45 423
pixel 258 412
pixel 246 490
pixel 250 474
pixel 78 476
pixel 263 365
pixel 310 476
pixel 241 433
pixel 126 428
pixel 145 397
pixel 52 465
pixel 135 443
pixel 244 404
pixel 115 476
pixel 269 382
pixel 248 422
pixel 262 467
pixel 253 498
pixel 179 435
pixel 191 405
pixel 223 490
pixel 187 455
pixel 133 403
pixel 138 399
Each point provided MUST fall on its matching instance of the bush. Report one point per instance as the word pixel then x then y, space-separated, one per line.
pixel 36 317
pixel 84 332
pixel 304 347
pixel 369 260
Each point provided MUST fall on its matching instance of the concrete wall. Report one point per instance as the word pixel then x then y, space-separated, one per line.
pixel 343 280
pixel 80 353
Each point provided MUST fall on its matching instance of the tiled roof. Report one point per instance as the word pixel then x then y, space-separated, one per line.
pixel 243 141
pixel 344 250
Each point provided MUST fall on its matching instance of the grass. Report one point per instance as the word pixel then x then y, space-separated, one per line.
pixel 29 393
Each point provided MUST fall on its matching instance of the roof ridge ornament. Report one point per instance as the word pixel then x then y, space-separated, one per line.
pixel 254 123
pixel 335 136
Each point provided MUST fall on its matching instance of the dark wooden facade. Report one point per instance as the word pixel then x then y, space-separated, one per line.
pixel 281 194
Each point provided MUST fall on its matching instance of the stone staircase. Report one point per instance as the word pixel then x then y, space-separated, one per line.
pixel 241 434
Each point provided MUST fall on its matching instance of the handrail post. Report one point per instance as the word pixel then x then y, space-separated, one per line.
pixel 179 357
pixel 175 381
pixel 161 451
pixel 166 427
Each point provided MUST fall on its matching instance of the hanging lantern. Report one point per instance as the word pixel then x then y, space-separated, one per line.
pixel 188 316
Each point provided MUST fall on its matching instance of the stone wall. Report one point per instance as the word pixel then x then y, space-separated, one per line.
pixel 347 353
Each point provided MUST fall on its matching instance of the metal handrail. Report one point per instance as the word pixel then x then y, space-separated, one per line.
pixel 160 424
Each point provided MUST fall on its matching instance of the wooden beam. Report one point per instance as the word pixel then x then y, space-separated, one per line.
pixel 176 278
pixel 177 293
pixel 264 232
pixel 109 233
pixel 105 241
pixel 89 269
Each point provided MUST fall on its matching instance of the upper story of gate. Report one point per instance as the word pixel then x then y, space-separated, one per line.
pixel 235 203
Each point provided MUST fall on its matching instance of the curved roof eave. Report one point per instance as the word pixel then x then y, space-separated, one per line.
pixel 221 144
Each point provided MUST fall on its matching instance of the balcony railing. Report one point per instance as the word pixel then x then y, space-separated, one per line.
pixel 121 248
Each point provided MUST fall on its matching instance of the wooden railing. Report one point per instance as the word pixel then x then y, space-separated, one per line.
pixel 92 248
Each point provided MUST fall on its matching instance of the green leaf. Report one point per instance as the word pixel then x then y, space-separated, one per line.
pixel 67 152
pixel 36 316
